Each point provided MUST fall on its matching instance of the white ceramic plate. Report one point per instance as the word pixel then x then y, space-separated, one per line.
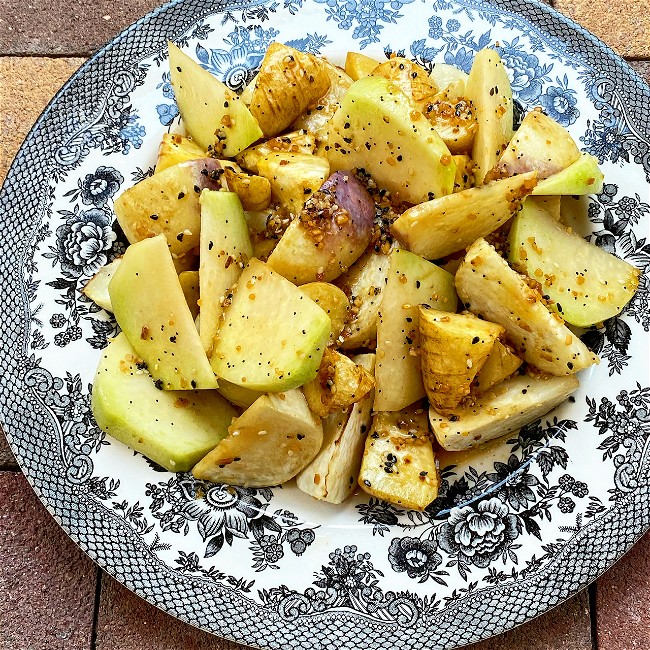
pixel 510 536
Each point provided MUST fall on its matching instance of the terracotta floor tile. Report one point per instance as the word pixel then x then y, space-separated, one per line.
pixel 623 602
pixel 126 622
pixel 46 27
pixel 26 87
pixel 624 24
pixel 567 627
pixel 47 583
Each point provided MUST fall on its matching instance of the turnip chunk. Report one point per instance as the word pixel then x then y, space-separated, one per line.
pixel 331 232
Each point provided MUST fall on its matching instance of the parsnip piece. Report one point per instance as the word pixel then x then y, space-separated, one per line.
pixel 412 281
pixel 453 349
pixel 364 284
pixel 267 445
pixel 489 287
pixel 578 179
pixel 293 177
pixel 488 88
pixel 295 142
pixel 174 149
pixel 587 285
pixel 333 474
pixel 339 383
pixel 97 287
pixel 541 145
pixel 359 65
pixel 288 82
pixel 254 192
pixel 333 302
pixel 437 228
pixel 499 365
pixel 507 407
pixel 315 118
pixel 399 464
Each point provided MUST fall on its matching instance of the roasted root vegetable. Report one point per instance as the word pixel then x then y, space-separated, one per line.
pixel 378 129
pixel 501 363
pixel 267 445
pixel 578 179
pixel 454 120
pixel 411 281
pixel 443 226
pixel 289 81
pixel 359 65
pixel 507 407
pixel 490 288
pixel 150 308
pixel 175 148
pixel 339 383
pixel 225 249
pixel 96 289
pixel 272 336
pixel 293 177
pixel 364 284
pixel 453 348
pixel 168 203
pixel 331 232
pixel 215 116
pixel 296 142
pixel 412 79
pixel 541 145
pixel 332 475
pixel 189 281
pixel 333 302
pixel 254 192
pixel 488 88
pixel 173 428
pixel 399 464
pixel 586 284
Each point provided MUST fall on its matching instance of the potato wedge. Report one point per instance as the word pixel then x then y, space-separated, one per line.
pixel 412 79
pixel 267 445
pixel 399 464
pixel 464 172
pixel 505 408
pixel 190 285
pixel 339 383
pixel 490 288
pixel 364 284
pixel 97 287
pixel 332 475
pixel 488 88
pixel 333 302
pixel 288 82
pixel 443 226
pixel 238 395
pixel 453 348
pixel 454 120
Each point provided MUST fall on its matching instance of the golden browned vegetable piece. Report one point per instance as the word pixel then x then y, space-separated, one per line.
pixel 359 65
pixel 454 120
pixel 333 302
pixel 254 192
pixel 339 383
pixel 295 142
pixel 453 348
pixel 289 81
pixel 399 464
pixel 413 80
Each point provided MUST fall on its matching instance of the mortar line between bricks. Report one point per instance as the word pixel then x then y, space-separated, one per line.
pixel 98 594
pixel 591 590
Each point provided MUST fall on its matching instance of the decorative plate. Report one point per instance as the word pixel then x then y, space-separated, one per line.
pixel 510 536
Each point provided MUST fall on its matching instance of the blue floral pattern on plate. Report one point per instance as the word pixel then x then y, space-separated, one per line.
pixel 270 567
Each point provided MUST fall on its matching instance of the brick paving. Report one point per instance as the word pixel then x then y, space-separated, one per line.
pixel 50 600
